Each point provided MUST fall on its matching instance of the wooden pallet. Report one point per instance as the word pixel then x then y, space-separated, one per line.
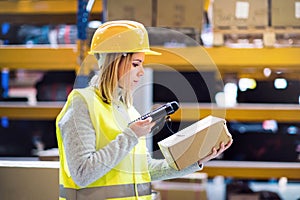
pixel 286 35
pixel 269 35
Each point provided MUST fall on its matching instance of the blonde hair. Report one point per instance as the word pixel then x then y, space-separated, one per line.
pixel 107 80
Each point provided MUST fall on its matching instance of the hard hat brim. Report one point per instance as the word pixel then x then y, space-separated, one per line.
pixel 147 52
pixel 152 53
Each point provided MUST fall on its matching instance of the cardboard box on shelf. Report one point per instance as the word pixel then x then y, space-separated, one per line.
pixel 179 14
pixel 137 10
pixel 196 177
pixel 194 142
pixel 240 13
pixel 49 155
pixel 34 180
pixel 285 13
pixel 244 197
pixel 180 190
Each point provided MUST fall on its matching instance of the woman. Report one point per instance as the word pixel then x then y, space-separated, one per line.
pixel 101 156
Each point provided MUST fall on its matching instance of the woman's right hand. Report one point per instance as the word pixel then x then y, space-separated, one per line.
pixel 142 127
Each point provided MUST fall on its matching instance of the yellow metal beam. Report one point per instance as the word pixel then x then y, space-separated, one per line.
pixel 181 59
pixel 39 57
pixel 242 62
pixel 226 59
pixel 44 7
pixel 252 170
pixel 250 112
pixel 241 112
pixel 232 59
pixel 40 111
pixel 187 59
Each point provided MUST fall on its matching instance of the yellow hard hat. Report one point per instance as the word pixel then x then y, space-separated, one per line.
pixel 121 36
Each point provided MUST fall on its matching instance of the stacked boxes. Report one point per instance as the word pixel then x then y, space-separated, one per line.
pixel 180 14
pixel 240 13
pixel 285 13
pixel 192 186
pixel 183 16
pixel 161 13
pixel 137 10
pixel 255 18
pixel 258 19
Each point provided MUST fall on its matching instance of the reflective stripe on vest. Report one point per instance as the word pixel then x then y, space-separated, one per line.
pixel 104 192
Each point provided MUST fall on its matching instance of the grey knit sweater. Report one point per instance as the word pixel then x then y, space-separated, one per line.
pixel 86 164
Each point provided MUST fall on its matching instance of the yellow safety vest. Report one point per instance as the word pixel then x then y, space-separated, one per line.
pixel 130 179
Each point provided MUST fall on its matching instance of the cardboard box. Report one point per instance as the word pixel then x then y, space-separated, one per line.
pixel 194 142
pixel 34 180
pixel 180 14
pixel 180 190
pixel 136 10
pixel 196 177
pixel 49 155
pixel 285 13
pixel 244 197
pixel 240 13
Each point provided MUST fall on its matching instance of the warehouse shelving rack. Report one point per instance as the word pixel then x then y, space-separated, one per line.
pixel 244 61
pixel 227 60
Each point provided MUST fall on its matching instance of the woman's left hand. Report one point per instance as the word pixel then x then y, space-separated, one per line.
pixel 215 153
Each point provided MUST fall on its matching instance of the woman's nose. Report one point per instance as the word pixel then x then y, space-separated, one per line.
pixel 141 71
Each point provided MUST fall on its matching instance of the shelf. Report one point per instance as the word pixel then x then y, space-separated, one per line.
pixel 44 7
pixel 65 58
pixel 37 12
pixel 40 111
pixel 39 57
pixel 187 112
pixel 252 170
pixel 241 112
pixel 226 60
pixel 232 169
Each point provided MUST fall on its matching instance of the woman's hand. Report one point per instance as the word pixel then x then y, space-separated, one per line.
pixel 142 127
pixel 215 153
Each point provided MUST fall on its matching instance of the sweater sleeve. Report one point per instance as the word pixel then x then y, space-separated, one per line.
pixel 160 170
pixel 87 165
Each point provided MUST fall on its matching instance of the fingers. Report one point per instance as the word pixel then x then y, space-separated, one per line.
pixel 146 122
pixel 142 127
pixel 209 157
pixel 228 144
pixel 223 147
pixel 216 152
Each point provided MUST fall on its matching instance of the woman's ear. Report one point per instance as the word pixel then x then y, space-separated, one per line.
pixel 97 56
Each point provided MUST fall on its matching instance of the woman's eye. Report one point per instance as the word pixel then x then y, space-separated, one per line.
pixel 135 64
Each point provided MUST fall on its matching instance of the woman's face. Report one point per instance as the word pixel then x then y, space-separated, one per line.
pixel 130 78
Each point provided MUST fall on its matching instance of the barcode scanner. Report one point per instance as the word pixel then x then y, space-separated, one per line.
pixel 160 112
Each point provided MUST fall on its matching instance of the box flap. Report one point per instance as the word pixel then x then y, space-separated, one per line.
pixel 190 130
